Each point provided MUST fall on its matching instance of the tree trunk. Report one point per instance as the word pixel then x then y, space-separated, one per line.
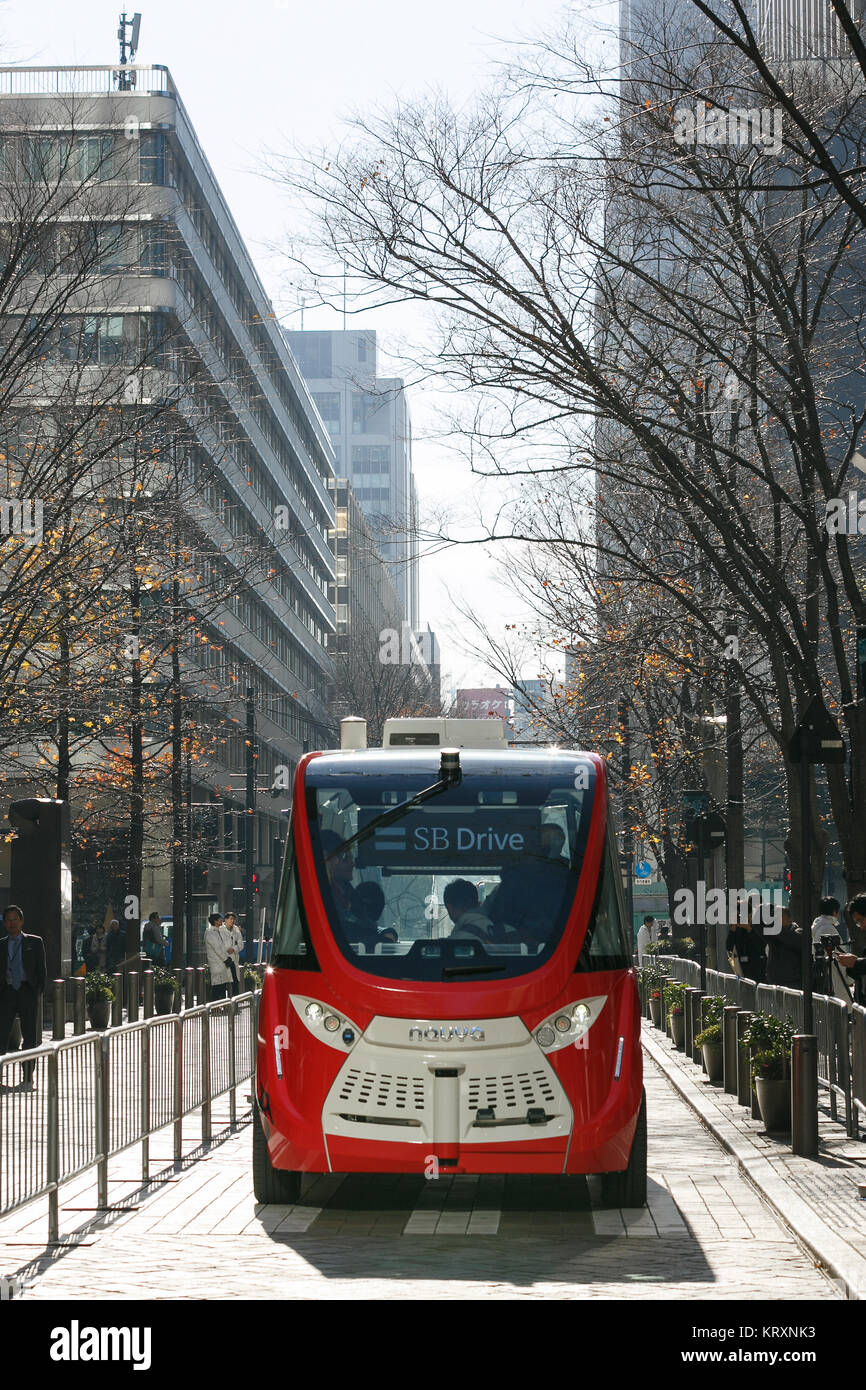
pixel 132 907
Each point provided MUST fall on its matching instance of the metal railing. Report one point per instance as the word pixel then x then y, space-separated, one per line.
pixel 841 1032
pixel 70 1106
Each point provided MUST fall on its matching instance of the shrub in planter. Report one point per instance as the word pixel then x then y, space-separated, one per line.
pixel 770 1041
pixel 250 981
pixel 165 990
pixel 98 998
pixel 674 994
pixel 709 1040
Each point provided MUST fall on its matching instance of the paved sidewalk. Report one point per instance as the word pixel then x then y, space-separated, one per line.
pixel 197 1232
pixel 817 1198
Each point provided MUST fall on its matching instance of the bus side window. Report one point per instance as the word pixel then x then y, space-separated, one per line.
pixel 604 947
pixel 292 942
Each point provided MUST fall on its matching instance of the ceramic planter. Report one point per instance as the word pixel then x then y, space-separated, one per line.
pixel 774 1102
pixel 99 1013
pixel 678 1030
pixel 163 1000
pixel 712 1055
pixel 656 1012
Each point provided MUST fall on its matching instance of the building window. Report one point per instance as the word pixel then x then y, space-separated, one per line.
pixel 371 458
pixel 369 414
pixel 313 351
pixel 362 349
pixel 152 157
pixel 328 406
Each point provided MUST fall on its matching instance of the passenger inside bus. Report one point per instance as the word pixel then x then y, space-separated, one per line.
pixel 461 903
pixel 529 895
pixel 361 923
pixel 340 869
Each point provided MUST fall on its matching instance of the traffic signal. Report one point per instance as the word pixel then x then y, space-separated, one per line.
pixel 255 882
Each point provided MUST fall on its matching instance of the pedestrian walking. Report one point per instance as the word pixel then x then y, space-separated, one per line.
pixel 96 951
pixel 219 943
pixel 115 947
pixel 22 981
pixel 854 964
pixel 745 946
pixel 153 941
pixel 232 925
pixel 646 935
pixel 784 945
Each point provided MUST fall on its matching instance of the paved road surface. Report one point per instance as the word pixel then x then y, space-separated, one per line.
pixel 197 1233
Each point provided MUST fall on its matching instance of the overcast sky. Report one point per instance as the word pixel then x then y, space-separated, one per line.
pixel 263 74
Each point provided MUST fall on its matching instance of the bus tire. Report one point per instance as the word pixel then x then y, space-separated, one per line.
pixel 271 1186
pixel 628 1189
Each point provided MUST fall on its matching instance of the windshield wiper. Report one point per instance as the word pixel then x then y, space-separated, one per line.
pixel 446 781
pixel 471 969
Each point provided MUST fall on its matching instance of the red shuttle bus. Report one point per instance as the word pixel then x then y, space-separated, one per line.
pixel 451 985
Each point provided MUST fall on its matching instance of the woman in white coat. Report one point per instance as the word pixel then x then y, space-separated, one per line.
pixel 219 945
pixel 231 924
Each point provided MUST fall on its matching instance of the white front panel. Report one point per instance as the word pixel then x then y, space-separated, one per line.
pixel 388 1087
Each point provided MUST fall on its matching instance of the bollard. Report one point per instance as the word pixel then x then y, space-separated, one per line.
pixel 744 1079
pixel 147 981
pixel 189 988
pixel 58 1030
pixel 117 1001
pixel 804 1095
pixel 178 994
pixel 697 1016
pixel 132 997
pixel 689 1019
pixel 729 1048
pixel 79 1012
pixel 200 985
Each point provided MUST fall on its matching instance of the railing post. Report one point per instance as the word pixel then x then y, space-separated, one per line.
pixel 178 1090
pixel 189 988
pixel 117 1001
pixel 729 1048
pixel 144 1063
pixel 232 1069
pixel 79 1014
pixel 205 1077
pixel 804 1095
pixel 147 982
pixel 132 997
pixel 178 994
pixel 102 1123
pixel 58 1021
pixel 744 1077
pixel 200 985
pixel 53 1155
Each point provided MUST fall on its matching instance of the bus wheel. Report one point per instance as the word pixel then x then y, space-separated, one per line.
pixel 628 1189
pixel 271 1186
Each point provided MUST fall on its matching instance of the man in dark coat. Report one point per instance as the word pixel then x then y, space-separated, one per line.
pixel 784 953
pixel 22 981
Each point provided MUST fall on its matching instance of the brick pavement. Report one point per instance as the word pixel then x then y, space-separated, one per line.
pixel 817 1197
pixel 196 1232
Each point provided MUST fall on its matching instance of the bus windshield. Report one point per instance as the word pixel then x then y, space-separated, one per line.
pixel 476 882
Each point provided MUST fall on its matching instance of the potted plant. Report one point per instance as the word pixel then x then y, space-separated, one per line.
pixel 98 996
pixel 165 990
pixel 674 994
pixel 769 1040
pixel 251 980
pixel 651 981
pixel 709 1040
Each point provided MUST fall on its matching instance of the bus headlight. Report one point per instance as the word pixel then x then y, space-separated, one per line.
pixel 325 1023
pixel 569 1025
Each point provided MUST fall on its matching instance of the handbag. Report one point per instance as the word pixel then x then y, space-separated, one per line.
pixel 734 961
pixel 152 950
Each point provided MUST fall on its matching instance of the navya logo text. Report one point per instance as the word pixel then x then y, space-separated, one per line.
pixel 447 1032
